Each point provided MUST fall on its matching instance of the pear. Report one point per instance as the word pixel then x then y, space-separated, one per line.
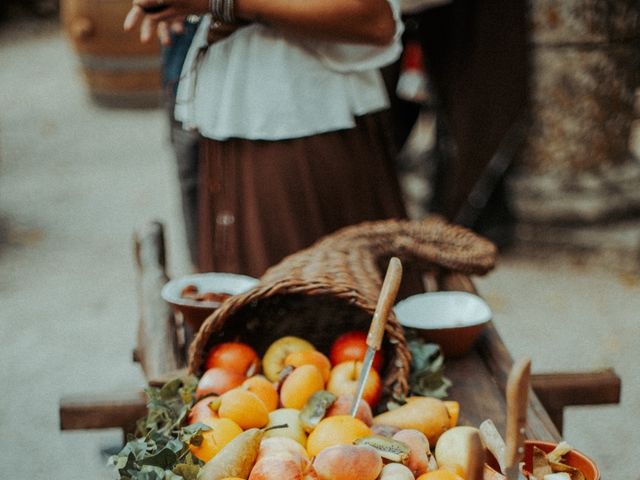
pixel 293 430
pixel 428 415
pixel 236 459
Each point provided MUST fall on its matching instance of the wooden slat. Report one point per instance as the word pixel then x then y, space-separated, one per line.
pixel 158 349
pixel 109 410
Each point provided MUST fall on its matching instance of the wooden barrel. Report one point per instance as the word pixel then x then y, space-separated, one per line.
pixel 118 69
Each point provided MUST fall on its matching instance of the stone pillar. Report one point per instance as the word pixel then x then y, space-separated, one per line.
pixel 577 165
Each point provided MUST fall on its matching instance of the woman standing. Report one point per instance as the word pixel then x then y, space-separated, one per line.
pixel 286 95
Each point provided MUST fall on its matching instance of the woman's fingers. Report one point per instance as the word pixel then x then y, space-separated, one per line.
pixel 147 29
pixel 133 18
pixel 177 25
pixel 163 33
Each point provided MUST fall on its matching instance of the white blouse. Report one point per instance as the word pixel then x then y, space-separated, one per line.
pixel 263 84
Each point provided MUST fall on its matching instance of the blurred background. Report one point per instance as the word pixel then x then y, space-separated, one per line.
pixel 517 119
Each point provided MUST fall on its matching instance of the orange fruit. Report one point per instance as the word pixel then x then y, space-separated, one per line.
pixel 453 408
pixel 264 390
pixel 244 408
pixel 440 474
pixel 216 381
pixel 235 356
pixel 222 432
pixel 337 430
pixel 310 357
pixel 454 467
pixel 299 385
pixel 201 412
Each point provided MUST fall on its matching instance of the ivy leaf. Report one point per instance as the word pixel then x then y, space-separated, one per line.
pixel 426 376
pixel 165 458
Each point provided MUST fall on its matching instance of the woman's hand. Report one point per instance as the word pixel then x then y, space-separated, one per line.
pixel 161 17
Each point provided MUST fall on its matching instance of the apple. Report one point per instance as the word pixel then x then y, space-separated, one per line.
pixel 344 381
pixel 236 356
pixel 275 356
pixel 217 381
pixel 353 346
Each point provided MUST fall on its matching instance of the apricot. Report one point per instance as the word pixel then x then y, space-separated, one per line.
pixel 298 387
pixel 338 430
pixel 418 461
pixel 342 406
pixel 264 390
pixel 217 381
pixel 244 408
pixel 453 408
pixel 222 431
pixel 440 474
pixel 310 357
pixel 347 462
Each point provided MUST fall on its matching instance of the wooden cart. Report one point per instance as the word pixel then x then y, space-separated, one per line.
pixel 479 378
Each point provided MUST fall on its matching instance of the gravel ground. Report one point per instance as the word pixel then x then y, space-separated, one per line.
pixel 77 180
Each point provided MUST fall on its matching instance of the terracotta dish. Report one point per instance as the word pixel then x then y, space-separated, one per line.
pixel 454 320
pixel 196 311
pixel 574 459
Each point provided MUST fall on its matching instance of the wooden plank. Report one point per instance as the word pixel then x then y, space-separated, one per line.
pixel 158 348
pixel 96 411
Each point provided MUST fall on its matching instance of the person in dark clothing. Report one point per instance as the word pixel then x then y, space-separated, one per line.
pixel 184 142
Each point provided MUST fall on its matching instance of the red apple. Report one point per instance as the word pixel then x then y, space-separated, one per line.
pixel 344 381
pixel 353 346
pixel 216 381
pixel 235 356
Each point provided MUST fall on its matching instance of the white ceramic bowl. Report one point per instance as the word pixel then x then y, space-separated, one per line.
pixel 195 311
pixel 451 319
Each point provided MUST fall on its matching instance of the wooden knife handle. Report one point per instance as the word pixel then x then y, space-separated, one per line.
pixel 517 400
pixel 387 297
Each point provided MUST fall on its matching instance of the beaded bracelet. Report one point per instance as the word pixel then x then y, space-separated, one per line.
pixel 222 10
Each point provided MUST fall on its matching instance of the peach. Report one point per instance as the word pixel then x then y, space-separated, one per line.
pixel 346 462
pixel 273 445
pixel 298 387
pixel 418 461
pixel 396 471
pixel 342 406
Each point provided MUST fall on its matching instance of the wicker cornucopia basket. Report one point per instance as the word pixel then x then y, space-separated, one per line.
pixel 333 286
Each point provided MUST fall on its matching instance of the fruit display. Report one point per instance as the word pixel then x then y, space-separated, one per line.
pixel 286 416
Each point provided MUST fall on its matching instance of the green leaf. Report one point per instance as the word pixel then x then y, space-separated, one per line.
pixel 165 458
pixel 426 376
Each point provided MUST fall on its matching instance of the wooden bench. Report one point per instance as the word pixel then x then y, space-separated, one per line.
pixel 479 378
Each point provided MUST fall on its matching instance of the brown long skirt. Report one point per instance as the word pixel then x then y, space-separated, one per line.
pixel 260 201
